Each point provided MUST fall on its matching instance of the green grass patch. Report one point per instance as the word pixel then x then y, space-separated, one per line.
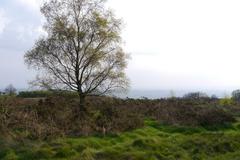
pixel 153 142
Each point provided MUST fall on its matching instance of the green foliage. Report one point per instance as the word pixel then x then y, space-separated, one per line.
pixel 226 101
pixel 65 151
pixel 87 154
pixel 10 155
pixel 44 153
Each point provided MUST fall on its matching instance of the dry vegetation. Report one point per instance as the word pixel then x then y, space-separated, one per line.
pixel 56 116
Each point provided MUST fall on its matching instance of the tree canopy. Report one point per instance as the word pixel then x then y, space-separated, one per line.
pixel 82 50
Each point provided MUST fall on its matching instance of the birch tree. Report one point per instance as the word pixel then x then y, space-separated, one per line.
pixel 82 50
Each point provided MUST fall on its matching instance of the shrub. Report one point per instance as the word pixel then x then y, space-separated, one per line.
pixel 214 117
pixel 10 155
pixel 187 115
pixel 117 119
pixel 226 101
pixel 56 117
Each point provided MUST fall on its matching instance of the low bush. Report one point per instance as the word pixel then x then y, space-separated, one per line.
pixel 185 112
pixel 56 117
pixel 192 116
pixel 226 101
pixel 214 117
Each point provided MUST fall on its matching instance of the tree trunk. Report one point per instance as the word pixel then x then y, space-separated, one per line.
pixel 82 107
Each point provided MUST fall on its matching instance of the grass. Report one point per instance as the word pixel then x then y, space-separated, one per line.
pixel 153 142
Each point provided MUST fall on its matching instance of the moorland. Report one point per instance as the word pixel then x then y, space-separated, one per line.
pixel 45 125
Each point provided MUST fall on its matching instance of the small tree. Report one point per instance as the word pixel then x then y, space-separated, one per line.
pixel 236 95
pixel 10 90
pixel 214 97
pixel 172 94
pixel 82 50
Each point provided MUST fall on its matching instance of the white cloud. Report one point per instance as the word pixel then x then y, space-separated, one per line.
pixel 19 30
pixel 3 20
pixel 195 42
pixel 25 32
pixel 31 4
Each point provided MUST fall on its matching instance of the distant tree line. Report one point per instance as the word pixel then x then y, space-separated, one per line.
pixel 46 93
pixel 10 90
pixel 195 95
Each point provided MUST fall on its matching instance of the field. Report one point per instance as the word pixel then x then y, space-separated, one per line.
pixel 205 132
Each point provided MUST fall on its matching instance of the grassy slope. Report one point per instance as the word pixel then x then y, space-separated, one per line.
pixel 153 142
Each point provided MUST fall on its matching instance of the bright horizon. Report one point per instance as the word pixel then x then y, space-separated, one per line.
pixel 174 45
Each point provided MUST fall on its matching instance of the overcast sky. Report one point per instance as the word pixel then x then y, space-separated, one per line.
pixel 175 44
